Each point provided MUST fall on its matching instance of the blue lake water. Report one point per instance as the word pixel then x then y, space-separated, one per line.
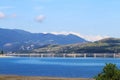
pixel 54 67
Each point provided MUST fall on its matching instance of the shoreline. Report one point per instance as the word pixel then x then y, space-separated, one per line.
pixel 12 77
pixel 2 56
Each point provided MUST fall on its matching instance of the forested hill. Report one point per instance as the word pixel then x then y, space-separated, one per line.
pixel 108 45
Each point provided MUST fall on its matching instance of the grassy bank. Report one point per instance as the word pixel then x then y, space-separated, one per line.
pixel 37 78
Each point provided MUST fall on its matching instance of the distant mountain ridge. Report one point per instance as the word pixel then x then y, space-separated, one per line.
pixel 110 40
pixel 17 40
pixel 107 45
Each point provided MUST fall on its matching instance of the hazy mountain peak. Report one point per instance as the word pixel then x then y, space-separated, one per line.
pixel 86 37
pixel 21 39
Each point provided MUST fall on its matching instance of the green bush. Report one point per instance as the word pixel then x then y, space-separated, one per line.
pixel 110 72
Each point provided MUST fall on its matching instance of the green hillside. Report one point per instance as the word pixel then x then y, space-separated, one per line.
pixel 108 45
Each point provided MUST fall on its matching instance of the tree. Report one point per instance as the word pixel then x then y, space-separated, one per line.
pixel 1 52
pixel 110 72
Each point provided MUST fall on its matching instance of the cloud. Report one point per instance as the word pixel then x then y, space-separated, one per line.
pixel 2 15
pixel 59 33
pixel 40 18
pixel 87 37
pixel 94 37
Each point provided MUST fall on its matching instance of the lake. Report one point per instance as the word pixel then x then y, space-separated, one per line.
pixel 54 67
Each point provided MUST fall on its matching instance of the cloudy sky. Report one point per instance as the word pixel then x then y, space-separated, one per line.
pixel 92 19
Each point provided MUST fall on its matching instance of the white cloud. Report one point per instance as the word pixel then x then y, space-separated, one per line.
pixel 94 37
pixel 87 37
pixel 40 18
pixel 59 33
pixel 2 15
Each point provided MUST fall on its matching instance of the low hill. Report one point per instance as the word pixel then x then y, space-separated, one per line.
pixel 109 40
pixel 108 45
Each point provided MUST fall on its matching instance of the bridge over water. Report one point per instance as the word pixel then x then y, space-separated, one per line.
pixel 75 55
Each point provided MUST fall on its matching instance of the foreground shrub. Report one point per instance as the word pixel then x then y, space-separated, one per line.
pixel 110 72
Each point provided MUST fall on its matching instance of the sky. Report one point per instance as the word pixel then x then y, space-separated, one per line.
pixel 90 19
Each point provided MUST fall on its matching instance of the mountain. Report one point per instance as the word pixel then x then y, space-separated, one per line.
pixel 110 40
pixel 20 40
pixel 108 45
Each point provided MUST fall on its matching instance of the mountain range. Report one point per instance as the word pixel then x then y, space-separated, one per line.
pixel 107 45
pixel 13 40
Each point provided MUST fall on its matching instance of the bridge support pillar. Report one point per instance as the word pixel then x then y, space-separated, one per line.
pixel 94 55
pixel 104 55
pixel 114 55
pixel 74 55
pixel 64 55
pixel 53 55
pixel 84 55
pixel 41 55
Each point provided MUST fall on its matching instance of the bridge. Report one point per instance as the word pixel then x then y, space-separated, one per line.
pixel 64 55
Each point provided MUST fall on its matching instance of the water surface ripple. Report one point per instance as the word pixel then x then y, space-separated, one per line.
pixel 54 67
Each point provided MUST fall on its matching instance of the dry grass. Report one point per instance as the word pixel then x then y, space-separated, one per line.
pixel 37 78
